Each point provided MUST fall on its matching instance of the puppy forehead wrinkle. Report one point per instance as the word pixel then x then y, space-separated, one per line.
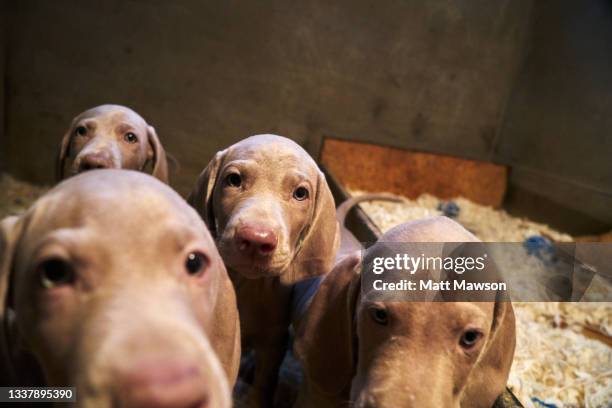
pixel 125 126
pixel 297 175
pixel 90 123
pixel 455 317
pixel 240 162
pixel 177 236
pixel 68 236
pixel 47 243
pixel 476 312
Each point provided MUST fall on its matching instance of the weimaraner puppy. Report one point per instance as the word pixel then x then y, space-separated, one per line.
pixel 111 283
pixel 362 353
pixel 272 214
pixel 111 137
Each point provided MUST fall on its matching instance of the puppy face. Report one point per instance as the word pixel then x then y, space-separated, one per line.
pixel 269 208
pixel 408 353
pixel 114 283
pixel 263 210
pixel 431 354
pixel 416 354
pixel 111 137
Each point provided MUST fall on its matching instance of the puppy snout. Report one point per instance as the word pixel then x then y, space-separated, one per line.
pixel 95 161
pixel 256 239
pixel 163 384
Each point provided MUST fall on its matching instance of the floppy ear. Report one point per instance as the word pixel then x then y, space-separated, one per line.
pixel 10 230
pixel 488 378
pixel 326 340
pixel 160 163
pixel 200 197
pixel 62 154
pixel 320 239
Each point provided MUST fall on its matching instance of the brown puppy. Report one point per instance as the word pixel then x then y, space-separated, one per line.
pixel 272 214
pixel 111 137
pixel 403 354
pixel 111 283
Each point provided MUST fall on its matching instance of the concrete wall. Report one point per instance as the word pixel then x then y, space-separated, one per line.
pixel 502 80
pixel 3 43
pixel 429 75
pixel 557 133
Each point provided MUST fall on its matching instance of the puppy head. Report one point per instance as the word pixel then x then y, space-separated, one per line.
pixel 112 280
pixel 269 208
pixel 431 354
pixel 412 354
pixel 418 354
pixel 111 137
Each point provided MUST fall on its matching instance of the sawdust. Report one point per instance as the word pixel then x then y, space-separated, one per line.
pixel 17 196
pixel 558 364
pixel 489 224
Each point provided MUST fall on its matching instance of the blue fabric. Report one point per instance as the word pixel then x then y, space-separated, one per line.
pixel 450 209
pixel 542 403
pixel 541 248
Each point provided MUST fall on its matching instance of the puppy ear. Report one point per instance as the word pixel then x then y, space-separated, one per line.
pixel 488 378
pixel 200 197
pixel 320 240
pixel 326 341
pixel 10 230
pixel 160 163
pixel 62 153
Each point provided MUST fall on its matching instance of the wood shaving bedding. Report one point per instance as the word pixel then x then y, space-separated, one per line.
pixel 16 196
pixel 558 364
pixel 555 361
pixel 489 224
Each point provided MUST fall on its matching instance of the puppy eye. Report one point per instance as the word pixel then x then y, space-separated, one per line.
pixel 233 180
pixel 196 263
pixel 300 193
pixel 130 137
pixel 470 338
pixel 380 316
pixel 55 272
pixel 81 130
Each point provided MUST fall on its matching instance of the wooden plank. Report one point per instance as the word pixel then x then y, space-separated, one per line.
pixel 371 167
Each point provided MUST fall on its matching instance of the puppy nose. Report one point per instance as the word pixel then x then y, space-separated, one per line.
pixel 163 385
pixel 94 161
pixel 256 239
